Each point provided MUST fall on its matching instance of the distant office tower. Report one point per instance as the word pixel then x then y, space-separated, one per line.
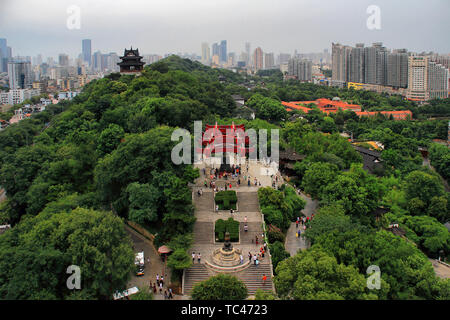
pixel 19 73
pixel 97 61
pixel 63 60
pixel 356 64
pixel 231 59
pixel 269 60
pixel 397 69
pixel 223 51
pixel 301 68
pixel 206 53
pixel 3 55
pixel 437 81
pixel 86 51
pixel 418 78
pixel 216 49
pixel 248 52
pixel 258 59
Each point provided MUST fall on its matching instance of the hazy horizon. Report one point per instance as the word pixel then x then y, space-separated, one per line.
pixel 172 26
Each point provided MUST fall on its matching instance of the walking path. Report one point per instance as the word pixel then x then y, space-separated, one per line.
pixel 292 243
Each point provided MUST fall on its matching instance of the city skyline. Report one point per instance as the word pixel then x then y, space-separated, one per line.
pixel 274 26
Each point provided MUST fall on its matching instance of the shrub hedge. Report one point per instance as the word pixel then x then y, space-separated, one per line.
pixel 230 225
pixel 226 200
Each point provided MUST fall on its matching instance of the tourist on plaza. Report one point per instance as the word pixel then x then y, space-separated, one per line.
pixel 254 259
pixel 157 279
pixel 160 287
pixel 296 224
pixel 170 294
pixel 241 259
pixel 217 208
pixel 231 211
pixel 239 182
pixel 193 257
pixel 249 256
pixel 264 278
pixel 165 295
pixel 256 240
pixel 199 257
pixel 245 227
pixel 245 219
pixel 162 280
pixel 154 288
pixel 204 171
pixel 265 246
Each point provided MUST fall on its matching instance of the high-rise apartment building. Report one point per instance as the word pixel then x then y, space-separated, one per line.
pixel 340 56
pixel 19 73
pixel 258 59
pixel 3 55
pixel 300 68
pixel 355 63
pixel 397 69
pixel 248 53
pixel 438 76
pixel 269 60
pixel 87 51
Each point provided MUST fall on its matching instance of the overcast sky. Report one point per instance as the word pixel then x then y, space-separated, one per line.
pixel 171 26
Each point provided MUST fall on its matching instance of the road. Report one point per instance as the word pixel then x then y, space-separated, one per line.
pixel 293 244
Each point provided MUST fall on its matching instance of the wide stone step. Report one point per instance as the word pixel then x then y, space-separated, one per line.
pixel 204 202
pixel 248 201
pixel 203 232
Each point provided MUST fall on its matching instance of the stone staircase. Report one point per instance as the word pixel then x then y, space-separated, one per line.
pixel 203 232
pixel 194 275
pixel 254 229
pixel 204 202
pixel 252 277
pixel 248 201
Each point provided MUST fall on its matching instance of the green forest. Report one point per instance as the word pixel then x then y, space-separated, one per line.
pixel 74 173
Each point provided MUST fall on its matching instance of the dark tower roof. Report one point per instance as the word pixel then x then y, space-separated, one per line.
pixel 131 61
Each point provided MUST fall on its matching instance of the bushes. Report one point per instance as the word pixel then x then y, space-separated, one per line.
pixel 275 234
pixel 278 253
pixel 230 225
pixel 226 200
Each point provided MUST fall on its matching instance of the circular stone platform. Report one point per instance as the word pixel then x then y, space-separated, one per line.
pixel 225 258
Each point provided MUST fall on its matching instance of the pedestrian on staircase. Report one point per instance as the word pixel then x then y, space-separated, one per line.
pixel 264 278
pixel 254 259
pixel 162 280
pixel 157 279
pixel 170 294
pixel 241 259
pixel 193 257
pixel 199 257
pixel 296 224
pixel 249 257
pixel 256 240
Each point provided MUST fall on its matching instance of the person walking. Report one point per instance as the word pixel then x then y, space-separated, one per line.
pixel 162 280
pixel 157 279
pixel 241 258
pixel 245 219
pixel 254 259
pixel 296 224
pixel 193 257
pixel 245 227
pixel 264 278
pixel 165 295
pixel 256 240
pixel 249 257
pixel 154 288
pixel 160 287
pixel 199 257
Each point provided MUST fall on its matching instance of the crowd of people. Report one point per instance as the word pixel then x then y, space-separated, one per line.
pixel 159 286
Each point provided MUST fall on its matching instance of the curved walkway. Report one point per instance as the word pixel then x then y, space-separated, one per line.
pixel 292 243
